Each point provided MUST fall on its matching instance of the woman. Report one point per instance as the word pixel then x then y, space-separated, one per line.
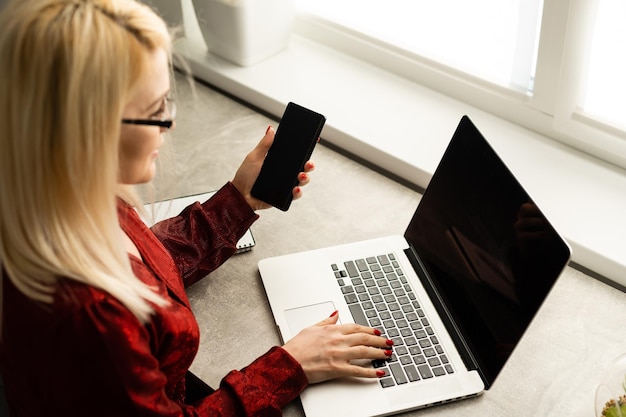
pixel 95 320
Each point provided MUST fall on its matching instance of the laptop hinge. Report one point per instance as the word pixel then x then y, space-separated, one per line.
pixel 448 320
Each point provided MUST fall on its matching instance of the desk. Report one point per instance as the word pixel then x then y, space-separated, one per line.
pixel 554 371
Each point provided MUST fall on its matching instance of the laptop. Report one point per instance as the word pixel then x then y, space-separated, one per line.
pixel 455 293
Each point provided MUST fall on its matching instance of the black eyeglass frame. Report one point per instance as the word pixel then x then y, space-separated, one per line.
pixel 166 123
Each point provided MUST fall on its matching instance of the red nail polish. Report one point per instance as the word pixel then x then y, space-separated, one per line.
pixel 303 177
pixel 334 313
pixel 268 129
pixel 377 332
pixel 389 342
pixel 380 373
pixel 388 352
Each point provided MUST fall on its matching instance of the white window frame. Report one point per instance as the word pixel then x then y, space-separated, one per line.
pixel 551 110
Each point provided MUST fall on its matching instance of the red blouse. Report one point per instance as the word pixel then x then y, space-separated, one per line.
pixel 87 355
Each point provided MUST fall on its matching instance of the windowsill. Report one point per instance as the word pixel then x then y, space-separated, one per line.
pixel 403 128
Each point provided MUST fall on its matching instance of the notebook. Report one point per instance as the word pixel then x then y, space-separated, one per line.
pixel 169 208
pixel 476 262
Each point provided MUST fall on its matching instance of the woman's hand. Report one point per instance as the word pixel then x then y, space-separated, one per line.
pixel 325 350
pixel 251 166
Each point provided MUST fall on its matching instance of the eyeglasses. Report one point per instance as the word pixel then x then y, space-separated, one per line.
pixel 164 118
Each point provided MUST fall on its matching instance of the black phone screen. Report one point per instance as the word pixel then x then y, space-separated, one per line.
pixel 296 136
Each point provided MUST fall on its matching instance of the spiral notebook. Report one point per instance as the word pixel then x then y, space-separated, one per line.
pixel 170 208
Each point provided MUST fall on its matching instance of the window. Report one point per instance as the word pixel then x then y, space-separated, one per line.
pixel 492 39
pixel 604 96
pixel 557 67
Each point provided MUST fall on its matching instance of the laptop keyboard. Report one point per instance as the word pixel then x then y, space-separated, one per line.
pixel 379 296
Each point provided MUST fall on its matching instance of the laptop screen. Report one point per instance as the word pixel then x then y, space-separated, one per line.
pixel 489 251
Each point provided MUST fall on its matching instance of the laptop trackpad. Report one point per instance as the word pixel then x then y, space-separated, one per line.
pixel 300 317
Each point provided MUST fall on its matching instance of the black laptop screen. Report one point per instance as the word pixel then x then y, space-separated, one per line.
pixel 489 251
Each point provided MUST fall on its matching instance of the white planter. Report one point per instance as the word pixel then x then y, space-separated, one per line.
pixel 245 32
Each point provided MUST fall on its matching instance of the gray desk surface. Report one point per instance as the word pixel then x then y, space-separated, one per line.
pixel 555 370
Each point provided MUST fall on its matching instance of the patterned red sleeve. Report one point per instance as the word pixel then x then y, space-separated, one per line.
pixel 127 379
pixel 203 236
pixel 261 389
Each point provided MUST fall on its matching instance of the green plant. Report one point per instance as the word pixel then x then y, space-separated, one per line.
pixel 615 409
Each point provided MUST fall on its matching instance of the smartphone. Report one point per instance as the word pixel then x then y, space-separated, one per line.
pixel 296 136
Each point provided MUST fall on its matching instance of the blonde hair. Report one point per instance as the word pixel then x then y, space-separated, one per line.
pixel 67 68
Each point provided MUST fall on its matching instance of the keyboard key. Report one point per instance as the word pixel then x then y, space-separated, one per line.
pixel 351 268
pixel 389 324
pixel 415 350
pixel 379 363
pixel 385 315
pixel 397 315
pixel 419 359
pixel 406 360
pixel 411 373
pixel 434 362
pixel 387 382
pixel 399 292
pixel 398 374
pixel 411 316
pixel 351 298
pixel 416 325
pixel 403 300
pixel 374 291
pixel 424 371
pixel 361 265
pixel 358 315
pixel 406 332
pixel 429 352
pixel 438 371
